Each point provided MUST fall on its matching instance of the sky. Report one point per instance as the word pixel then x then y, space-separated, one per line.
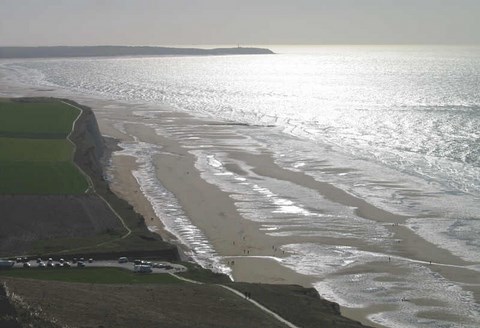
pixel 232 22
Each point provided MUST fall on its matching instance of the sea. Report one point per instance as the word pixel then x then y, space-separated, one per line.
pixel 397 126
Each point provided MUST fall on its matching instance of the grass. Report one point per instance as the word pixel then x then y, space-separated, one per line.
pixel 91 275
pixel 301 306
pixel 41 178
pixel 35 156
pixel 38 150
pixel 56 245
pixel 110 243
pixel 196 272
pixel 47 120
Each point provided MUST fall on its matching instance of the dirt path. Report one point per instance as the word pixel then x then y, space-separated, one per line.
pixel 236 292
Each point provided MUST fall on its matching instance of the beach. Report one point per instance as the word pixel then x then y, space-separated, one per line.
pixel 257 256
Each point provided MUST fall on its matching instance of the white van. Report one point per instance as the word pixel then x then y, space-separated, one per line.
pixel 142 268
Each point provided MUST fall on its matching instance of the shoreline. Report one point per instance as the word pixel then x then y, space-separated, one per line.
pixel 169 170
pixel 176 170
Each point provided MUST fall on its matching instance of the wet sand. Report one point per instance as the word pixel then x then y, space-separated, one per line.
pixel 240 240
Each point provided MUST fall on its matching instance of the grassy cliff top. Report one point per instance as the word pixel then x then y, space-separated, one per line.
pixel 37 120
pixel 35 156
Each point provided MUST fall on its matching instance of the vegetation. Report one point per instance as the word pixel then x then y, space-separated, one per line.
pixel 91 275
pixel 57 245
pixel 24 149
pixel 35 157
pixel 299 305
pixel 107 245
pixel 41 178
pixel 50 119
pixel 196 272
pixel 139 305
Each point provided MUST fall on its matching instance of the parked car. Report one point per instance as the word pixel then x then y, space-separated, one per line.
pixel 6 264
pixel 123 259
pixel 39 260
pixel 26 265
pixel 41 264
pixel 80 264
pixel 90 260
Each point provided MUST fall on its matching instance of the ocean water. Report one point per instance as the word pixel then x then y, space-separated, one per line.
pixel 396 126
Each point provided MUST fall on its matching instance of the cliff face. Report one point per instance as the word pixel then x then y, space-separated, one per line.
pixel 90 148
pixel 89 142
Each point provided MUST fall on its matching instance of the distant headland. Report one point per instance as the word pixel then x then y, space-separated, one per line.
pixel 112 51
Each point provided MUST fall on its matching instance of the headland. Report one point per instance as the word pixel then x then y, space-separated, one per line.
pixel 118 51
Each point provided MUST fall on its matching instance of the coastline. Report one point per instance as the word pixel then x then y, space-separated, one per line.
pixel 176 161
pixel 214 212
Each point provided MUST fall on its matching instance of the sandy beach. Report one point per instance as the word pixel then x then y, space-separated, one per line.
pixel 250 253
pixel 208 207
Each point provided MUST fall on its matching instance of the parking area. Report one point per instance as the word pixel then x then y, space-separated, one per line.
pixel 123 263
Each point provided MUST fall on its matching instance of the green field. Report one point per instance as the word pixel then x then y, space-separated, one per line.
pixel 91 275
pixel 47 120
pixel 21 149
pixel 41 178
pixel 35 156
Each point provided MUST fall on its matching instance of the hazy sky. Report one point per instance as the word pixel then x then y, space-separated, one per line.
pixel 162 22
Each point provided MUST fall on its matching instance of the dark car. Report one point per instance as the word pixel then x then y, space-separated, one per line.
pixel 80 264
pixel 26 265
